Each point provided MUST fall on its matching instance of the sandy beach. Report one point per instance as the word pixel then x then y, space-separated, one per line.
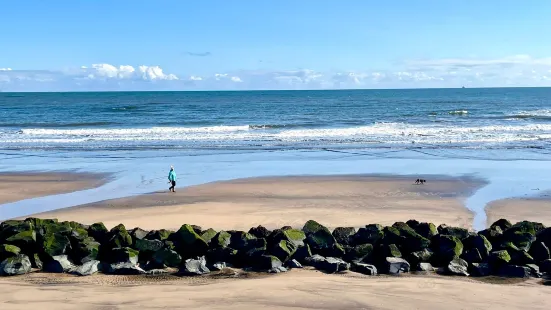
pixel 274 202
pixel 537 209
pixel 19 186
pixel 278 201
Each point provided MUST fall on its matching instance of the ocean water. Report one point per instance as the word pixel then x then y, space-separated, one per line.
pixel 444 119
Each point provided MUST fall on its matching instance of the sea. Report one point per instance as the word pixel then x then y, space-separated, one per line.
pixel 499 135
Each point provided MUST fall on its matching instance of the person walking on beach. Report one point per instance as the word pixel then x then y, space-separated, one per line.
pixel 172 179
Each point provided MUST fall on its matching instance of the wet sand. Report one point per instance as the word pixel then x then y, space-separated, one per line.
pixel 537 209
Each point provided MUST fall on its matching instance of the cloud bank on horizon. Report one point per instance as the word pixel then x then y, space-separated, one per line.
pixel 513 71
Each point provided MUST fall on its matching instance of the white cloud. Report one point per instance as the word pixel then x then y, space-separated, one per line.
pixel 519 70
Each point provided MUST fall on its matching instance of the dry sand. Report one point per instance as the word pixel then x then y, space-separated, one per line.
pixel 520 209
pixel 274 202
pixel 278 201
pixel 19 186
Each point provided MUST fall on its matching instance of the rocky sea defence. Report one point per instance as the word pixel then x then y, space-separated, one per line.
pixel 504 249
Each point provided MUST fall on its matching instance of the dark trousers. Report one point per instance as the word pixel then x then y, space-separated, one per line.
pixel 172 187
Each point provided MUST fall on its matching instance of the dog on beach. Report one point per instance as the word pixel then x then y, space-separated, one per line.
pixel 420 181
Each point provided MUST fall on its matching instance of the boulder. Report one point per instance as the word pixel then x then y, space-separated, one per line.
pixel 54 244
pixel 266 262
pixel 371 234
pixel 322 242
pixel 392 236
pixel 124 269
pixel 480 269
pixel 472 256
pixel 8 250
pixel 499 258
pixel 503 224
pixel 417 257
pixel 293 263
pixel 359 252
pixel 545 266
pixel 395 265
pixel 243 241
pixel 313 260
pixel 344 235
pixel 221 240
pixel 283 250
pixel 513 271
pixel 259 232
pixel 15 265
pixel 520 257
pixel 278 269
pixel 167 257
pixel 85 250
pixel 294 236
pixel 425 267
pixel 124 255
pixel 138 234
pixel 218 266
pixel 188 243
pixel 493 234
pixel 427 230
pixel 161 234
pixel 479 242
pixel 539 251
pixel 390 250
pixel 311 227
pixel 59 264
pixel 412 241
pixel 36 262
pixel 24 237
pixel 99 232
pixel 302 253
pixel 363 268
pixel 445 248
pixel 459 232
pixel 146 245
pixel 534 270
pixel 119 237
pixel 208 234
pixel 194 267
pixel 88 268
pixel 331 265
pixel 458 267
pixel 227 255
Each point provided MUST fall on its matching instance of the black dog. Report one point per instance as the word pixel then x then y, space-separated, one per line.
pixel 420 181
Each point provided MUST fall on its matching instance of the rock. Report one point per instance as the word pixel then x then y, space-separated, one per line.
pixel 145 245
pixel 413 223
pixel 85 250
pixel 156 272
pixel 426 267
pixel 499 258
pixel 86 269
pixel 395 265
pixel 412 240
pixel 423 256
pixel 538 250
pixel 472 256
pixel 167 257
pixel 194 267
pixel 458 267
pixel 119 237
pixel 15 265
pixel 503 224
pixel 314 259
pixel 545 266
pixel 534 270
pixel 322 242
pixel 344 235
pixel 293 263
pixel 331 265
pixel 311 227
pixel 363 268
pixel 124 269
pixel 208 234
pixel 427 230
pixel 59 264
pixel 278 269
pixel 294 236
pixel 390 250
pixel 266 262
pixel 36 262
pixel 459 232
pixel 25 240
pixel 480 243
pixel 227 255
pixel 8 250
pixel 445 249
pixel 371 234
pixel 221 240
pixel 302 253
pixel 480 269
pixel 243 241
pixel 99 232
pixel 138 234
pixel 259 232
pixel 198 229
pixel 520 257
pixel 283 250
pixel 217 266
pixel 513 271
pixel 360 252
pixel 54 244
pixel 188 243
pixel 161 234
pixel 392 236
pixel 492 234
pixel 124 255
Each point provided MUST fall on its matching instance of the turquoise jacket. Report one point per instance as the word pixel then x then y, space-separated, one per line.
pixel 172 175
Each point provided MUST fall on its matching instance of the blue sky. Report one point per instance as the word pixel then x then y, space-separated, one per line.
pixel 246 44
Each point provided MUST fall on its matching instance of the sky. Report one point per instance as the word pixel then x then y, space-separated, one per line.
pixel 261 44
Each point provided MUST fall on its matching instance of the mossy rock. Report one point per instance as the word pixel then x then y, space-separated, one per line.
pixel 472 256
pixel 520 257
pixel 423 256
pixel 15 265
pixel 411 240
pixel 167 257
pixel 302 253
pixel 227 255
pixel 312 227
pixel 522 240
pixel 493 234
pixel 99 232
pixel 85 250
pixel 18 233
pixel 503 224
pixel 359 252
pixel 445 248
pixel 321 240
pixel 138 233
pixel 371 234
pixel 499 258
pixel 283 250
pixel 295 236
pixel 525 227
pixel 390 250
pixel 539 251
pixel 267 262
pixel 161 234
pixel 208 234
pixel 480 243
pixel 458 232
pixel 119 237
pixel 36 261
pixel 8 250
pixel 144 245
pixel 54 244
pixel 344 235
pixel 241 240
pixel 124 255
pixel 222 239
pixel 259 232
pixel 427 230
pixel 188 243
pixel 392 236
